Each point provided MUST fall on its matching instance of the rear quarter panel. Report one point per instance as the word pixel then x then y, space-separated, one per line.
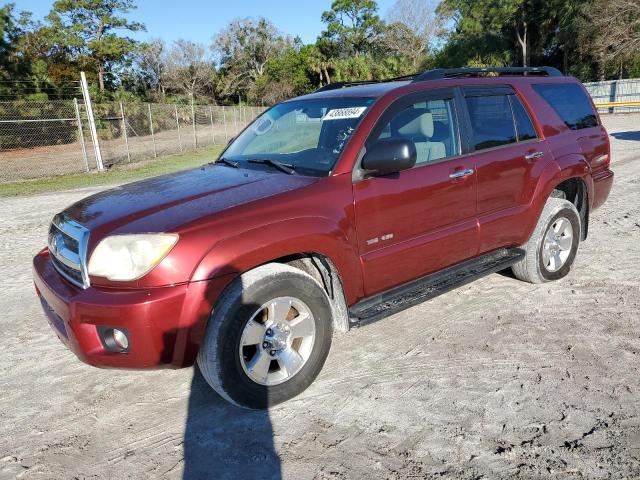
pixel 575 153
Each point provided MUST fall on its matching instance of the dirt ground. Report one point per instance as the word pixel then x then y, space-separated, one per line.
pixel 499 379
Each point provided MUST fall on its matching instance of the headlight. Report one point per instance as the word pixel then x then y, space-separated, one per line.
pixel 129 257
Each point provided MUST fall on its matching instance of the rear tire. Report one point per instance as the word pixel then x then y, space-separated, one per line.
pixel 552 248
pixel 268 337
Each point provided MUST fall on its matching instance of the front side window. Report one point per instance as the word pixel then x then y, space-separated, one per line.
pixel 491 121
pixel 570 102
pixel 308 135
pixel 431 125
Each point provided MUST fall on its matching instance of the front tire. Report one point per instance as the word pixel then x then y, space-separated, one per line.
pixel 268 337
pixel 552 248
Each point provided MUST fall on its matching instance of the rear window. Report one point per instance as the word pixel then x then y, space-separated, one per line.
pixel 570 102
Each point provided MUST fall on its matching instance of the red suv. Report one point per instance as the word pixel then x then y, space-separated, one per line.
pixel 329 211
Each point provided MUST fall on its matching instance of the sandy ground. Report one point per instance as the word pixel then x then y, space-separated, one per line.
pixel 499 379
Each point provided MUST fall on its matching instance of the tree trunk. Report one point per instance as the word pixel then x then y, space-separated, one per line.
pixel 527 56
pixel 601 70
pixel 101 76
pixel 326 76
pixel 523 40
pixel 100 62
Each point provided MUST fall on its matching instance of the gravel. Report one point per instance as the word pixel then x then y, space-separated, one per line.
pixel 498 379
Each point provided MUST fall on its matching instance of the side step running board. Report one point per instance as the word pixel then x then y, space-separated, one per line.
pixel 397 299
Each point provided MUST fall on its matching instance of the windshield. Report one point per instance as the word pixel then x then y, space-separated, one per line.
pixel 308 135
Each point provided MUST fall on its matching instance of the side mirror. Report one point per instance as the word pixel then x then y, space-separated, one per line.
pixel 390 155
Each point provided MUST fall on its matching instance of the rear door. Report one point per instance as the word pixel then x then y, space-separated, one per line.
pixel 423 219
pixel 508 154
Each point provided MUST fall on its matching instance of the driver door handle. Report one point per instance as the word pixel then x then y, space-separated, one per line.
pixel 534 155
pixel 462 173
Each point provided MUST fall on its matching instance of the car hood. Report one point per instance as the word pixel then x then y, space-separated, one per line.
pixel 165 203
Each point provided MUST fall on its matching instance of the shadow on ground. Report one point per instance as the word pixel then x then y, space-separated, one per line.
pixel 630 135
pixel 222 441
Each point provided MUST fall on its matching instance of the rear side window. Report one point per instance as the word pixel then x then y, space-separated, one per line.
pixel 524 127
pixel 491 121
pixel 570 102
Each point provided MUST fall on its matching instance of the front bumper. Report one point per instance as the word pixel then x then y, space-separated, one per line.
pixel 165 324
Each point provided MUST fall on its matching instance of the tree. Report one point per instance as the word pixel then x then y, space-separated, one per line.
pixel 10 33
pixel 151 65
pixel 411 27
pixel 484 27
pixel 90 28
pixel 188 70
pixel 614 36
pixel 558 32
pixel 243 49
pixel 289 68
pixel 319 64
pixel 352 26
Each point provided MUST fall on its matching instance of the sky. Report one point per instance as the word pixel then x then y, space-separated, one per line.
pixel 200 20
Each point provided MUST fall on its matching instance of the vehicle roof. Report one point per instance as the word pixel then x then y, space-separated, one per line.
pixel 377 90
pixel 371 90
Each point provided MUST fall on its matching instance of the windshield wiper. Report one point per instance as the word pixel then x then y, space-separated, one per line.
pixel 226 161
pixel 283 167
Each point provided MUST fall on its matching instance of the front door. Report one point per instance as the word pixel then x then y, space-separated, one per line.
pixel 424 219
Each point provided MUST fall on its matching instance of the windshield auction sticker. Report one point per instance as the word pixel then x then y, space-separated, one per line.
pixel 342 113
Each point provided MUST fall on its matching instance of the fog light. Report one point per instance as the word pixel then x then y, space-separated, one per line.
pixel 120 339
pixel 114 339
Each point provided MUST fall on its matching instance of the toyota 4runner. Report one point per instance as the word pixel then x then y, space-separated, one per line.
pixel 329 211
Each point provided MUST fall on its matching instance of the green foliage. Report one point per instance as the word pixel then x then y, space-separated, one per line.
pixel 351 27
pixel 89 29
pixel 252 61
pixel 634 67
pixel 244 48
pixel 484 30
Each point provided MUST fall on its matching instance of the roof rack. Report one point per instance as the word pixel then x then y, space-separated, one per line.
pixel 441 73
pixel 355 83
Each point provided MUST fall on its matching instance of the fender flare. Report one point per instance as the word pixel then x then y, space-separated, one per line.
pixel 239 253
pixel 561 169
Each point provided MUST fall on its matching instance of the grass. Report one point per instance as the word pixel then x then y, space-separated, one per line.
pixel 115 175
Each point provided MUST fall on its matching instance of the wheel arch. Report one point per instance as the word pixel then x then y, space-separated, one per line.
pixel 566 177
pixel 325 272
pixel 575 190
pixel 313 245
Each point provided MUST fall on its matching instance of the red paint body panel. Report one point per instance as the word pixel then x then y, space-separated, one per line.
pixel 316 219
pixel 165 324
pixel 432 219
pixel 378 232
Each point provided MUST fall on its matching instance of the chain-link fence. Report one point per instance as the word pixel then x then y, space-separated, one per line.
pixel 40 139
pixel 625 94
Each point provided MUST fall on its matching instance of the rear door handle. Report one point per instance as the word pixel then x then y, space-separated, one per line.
pixel 534 155
pixel 462 173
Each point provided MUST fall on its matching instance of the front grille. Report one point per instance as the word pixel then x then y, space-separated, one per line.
pixel 71 274
pixel 68 247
